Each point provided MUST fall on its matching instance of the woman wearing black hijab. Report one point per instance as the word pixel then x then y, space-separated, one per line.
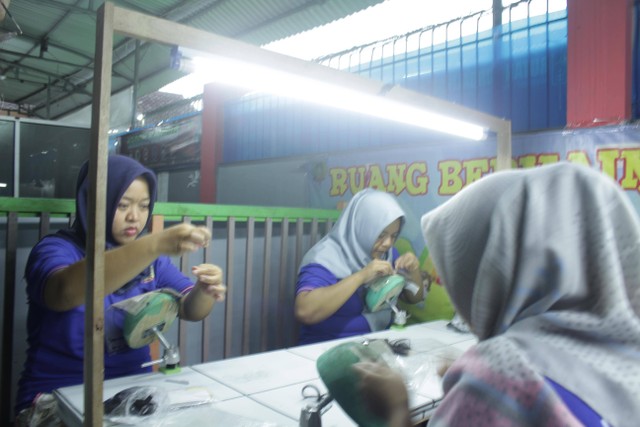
pixel 56 272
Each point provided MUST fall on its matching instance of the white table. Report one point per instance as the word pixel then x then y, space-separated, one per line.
pixel 265 389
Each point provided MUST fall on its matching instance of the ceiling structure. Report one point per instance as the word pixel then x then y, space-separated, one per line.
pixel 47 46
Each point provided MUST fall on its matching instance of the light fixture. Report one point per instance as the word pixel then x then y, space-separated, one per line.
pixel 260 78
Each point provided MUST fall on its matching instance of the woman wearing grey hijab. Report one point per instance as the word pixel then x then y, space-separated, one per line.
pixel 332 277
pixel 544 265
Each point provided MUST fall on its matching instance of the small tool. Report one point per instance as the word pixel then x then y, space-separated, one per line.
pixel 311 414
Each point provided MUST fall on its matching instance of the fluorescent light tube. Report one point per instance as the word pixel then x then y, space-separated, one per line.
pixel 264 79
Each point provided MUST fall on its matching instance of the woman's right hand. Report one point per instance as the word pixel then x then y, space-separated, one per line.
pixel 182 238
pixel 376 268
pixel 384 392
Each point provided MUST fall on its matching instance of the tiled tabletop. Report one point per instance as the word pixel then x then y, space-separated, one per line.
pixel 187 382
pixel 266 388
pixel 260 372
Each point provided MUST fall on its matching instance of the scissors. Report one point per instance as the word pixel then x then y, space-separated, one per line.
pixel 311 414
pixel 310 391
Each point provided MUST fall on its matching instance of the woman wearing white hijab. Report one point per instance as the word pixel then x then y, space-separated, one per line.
pixel 359 248
pixel 544 265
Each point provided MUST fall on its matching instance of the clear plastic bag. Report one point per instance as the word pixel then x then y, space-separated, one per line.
pixel 42 413
pixel 458 324
pixel 414 369
pixel 136 402
pixel 148 405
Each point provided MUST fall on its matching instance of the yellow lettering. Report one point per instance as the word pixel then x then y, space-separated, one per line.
pixel 376 180
pixel 356 178
pixel 631 159
pixel 450 180
pixel 397 174
pixel 417 179
pixel 578 157
pixel 607 158
pixel 527 161
pixel 545 159
pixel 338 181
pixel 474 169
pixel 493 163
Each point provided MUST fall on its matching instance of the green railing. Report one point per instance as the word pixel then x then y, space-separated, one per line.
pixel 63 207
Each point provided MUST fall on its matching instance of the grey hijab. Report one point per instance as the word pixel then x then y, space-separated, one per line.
pixel 550 259
pixel 346 249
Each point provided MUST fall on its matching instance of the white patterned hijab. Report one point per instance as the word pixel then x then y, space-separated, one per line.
pixel 550 258
pixel 347 247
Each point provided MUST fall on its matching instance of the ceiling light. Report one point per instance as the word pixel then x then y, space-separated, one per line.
pixel 261 78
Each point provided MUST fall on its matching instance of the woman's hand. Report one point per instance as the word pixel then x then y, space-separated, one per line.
pixel 408 262
pixel 183 238
pixel 410 267
pixel 375 269
pixel 384 392
pixel 209 279
pixel 197 304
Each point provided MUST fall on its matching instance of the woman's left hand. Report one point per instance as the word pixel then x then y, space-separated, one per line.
pixel 408 262
pixel 210 280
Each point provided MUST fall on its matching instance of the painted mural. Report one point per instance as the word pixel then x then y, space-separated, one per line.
pixel 423 177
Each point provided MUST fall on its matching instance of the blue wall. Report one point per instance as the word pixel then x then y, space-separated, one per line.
pixel 522 76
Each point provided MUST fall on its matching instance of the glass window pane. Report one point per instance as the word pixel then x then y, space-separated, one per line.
pixel 6 157
pixel 50 158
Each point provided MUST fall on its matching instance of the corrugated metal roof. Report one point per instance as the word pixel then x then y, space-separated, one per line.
pixel 47 70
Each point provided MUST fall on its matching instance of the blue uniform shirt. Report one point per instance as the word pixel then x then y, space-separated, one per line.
pixel 55 350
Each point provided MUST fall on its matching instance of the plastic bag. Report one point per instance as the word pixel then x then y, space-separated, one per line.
pixel 458 324
pixel 396 354
pixel 146 405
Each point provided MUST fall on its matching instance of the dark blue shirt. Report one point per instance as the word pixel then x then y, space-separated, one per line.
pixel 55 350
pixel 347 321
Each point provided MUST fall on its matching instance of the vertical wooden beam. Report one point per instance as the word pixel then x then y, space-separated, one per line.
pixel 282 285
pixel 598 62
pixel 208 259
pixel 156 226
pixel 266 284
pixel 292 338
pixel 185 268
pixel 45 223
pixel 314 232
pixel 299 234
pixel 136 83
pixel 96 222
pixel 228 306
pixel 503 141
pixel 248 285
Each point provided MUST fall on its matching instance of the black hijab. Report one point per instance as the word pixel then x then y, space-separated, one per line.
pixel 121 172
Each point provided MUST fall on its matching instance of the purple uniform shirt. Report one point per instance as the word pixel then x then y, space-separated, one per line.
pixel 55 351
pixel 347 321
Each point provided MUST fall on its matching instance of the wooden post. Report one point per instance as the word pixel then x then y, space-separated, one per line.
pixel 156 226
pixel 98 152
